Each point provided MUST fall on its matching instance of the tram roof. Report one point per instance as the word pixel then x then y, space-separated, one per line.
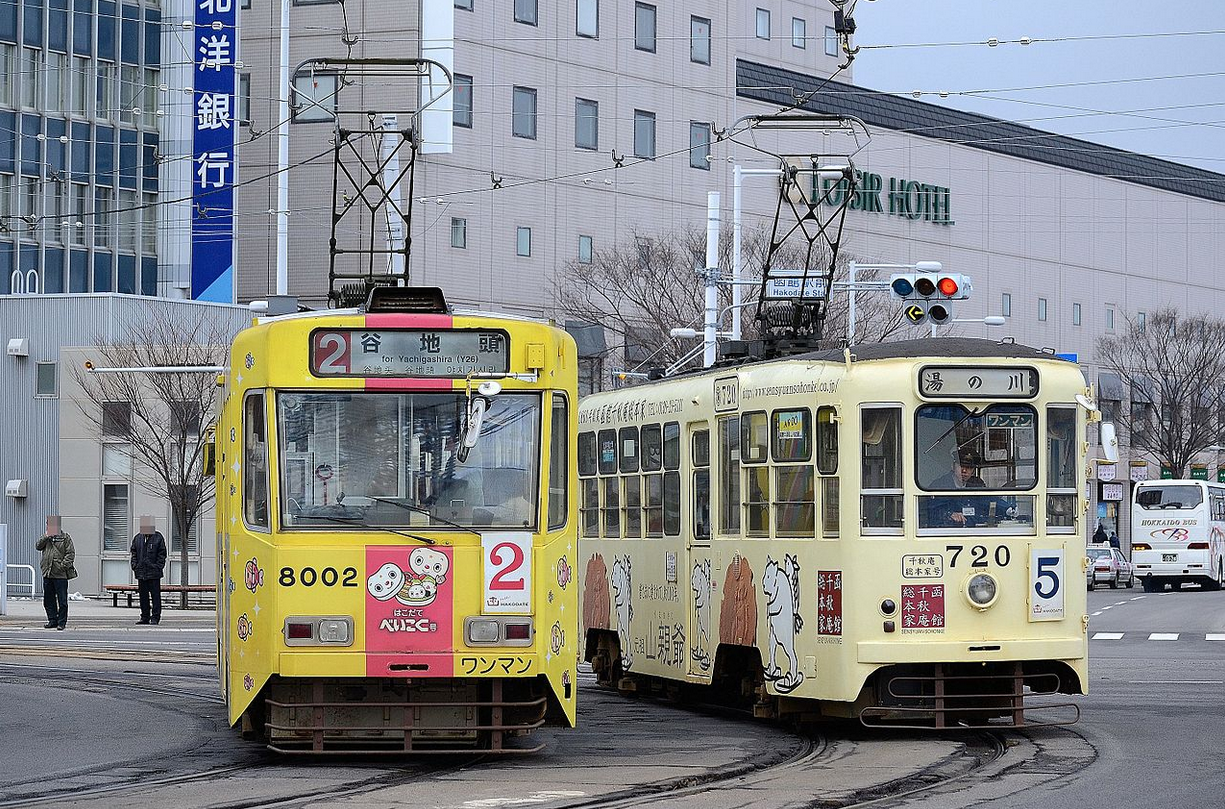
pixel 938 347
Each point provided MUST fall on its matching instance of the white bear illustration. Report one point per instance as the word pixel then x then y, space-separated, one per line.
pixel 781 585
pixel 385 582
pixel 625 610
pixel 700 582
pixel 429 562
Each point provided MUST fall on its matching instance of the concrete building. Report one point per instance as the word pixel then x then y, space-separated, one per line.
pixel 65 463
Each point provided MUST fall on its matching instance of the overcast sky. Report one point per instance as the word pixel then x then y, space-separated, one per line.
pixel 1134 85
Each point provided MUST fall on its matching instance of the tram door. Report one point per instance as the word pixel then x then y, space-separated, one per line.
pixel 700 589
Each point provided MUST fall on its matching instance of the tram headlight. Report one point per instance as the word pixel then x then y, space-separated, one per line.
pixel 483 631
pixel 982 590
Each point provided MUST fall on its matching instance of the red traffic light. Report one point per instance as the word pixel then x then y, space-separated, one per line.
pixel 947 286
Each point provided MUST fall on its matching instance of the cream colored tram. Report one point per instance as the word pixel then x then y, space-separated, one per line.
pixel 893 533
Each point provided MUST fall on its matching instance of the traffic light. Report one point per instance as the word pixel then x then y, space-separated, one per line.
pixel 927 295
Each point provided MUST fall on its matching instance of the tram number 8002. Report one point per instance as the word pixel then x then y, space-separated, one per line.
pixel 309 577
pixel 978 555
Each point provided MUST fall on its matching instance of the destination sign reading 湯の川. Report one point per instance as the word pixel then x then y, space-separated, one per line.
pixel 405 352
pixel 962 382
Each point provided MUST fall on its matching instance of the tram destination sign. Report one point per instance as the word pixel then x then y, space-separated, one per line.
pixel 982 382
pixel 408 352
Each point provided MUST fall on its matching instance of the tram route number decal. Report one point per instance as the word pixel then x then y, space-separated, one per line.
pixel 508 572
pixel 1046 580
pixel 309 577
pixel 979 555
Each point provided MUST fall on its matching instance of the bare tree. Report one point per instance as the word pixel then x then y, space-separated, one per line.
pixel 649 284
pixel 1177 364
pixel 163 417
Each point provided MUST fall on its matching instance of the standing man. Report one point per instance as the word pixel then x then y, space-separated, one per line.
pixel 148 562
pixel 57 566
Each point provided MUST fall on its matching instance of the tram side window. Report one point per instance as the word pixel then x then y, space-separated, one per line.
pixel 608 452
pixel 589 507
pixel 612 507
pixel 672 445
pixel 559 464
pixel 1061 467
pixel 755 449
pixel 794 478
pixel 653 511
pixel 827 465
pixel 586 454
pixel 255 463
pixel 633 505
pixel 754 438
pixel 672 503
pixel 881 459
pixel 701 484
pixel 729 475
pixel 628 441
pixel 652 448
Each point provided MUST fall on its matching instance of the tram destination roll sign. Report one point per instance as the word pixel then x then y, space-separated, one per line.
pixel 977 382
pixel 408 352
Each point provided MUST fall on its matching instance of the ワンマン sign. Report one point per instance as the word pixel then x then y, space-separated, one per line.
pixel 909 199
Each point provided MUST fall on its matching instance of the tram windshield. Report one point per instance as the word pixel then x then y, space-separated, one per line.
pixel 394 460
pixel 991 448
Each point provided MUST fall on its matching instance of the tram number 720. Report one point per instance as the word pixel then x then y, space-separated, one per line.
pixel 978 555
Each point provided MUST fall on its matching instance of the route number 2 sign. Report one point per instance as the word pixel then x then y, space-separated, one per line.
pixel 508 572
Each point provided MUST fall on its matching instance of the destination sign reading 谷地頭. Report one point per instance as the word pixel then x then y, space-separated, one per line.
pixel 409 352
pixel 956 382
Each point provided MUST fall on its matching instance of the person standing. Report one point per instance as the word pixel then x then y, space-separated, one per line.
pixel 57 565
pixel 1099 536
pixel 148 563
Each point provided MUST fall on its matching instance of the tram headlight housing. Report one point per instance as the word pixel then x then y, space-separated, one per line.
pixel 510 630
pixel 982 590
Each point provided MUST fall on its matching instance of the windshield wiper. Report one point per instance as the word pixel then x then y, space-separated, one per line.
pixel 426 512
pixel 361 523
pixel 958 423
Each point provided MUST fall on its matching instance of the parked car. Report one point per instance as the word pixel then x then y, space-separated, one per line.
pixel 1107 565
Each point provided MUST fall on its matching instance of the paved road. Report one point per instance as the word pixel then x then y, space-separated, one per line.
pixel 1151 734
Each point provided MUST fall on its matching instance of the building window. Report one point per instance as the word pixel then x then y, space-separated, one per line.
pixel 82 88
pixel 115 520
pixel 80 213
pixel 31 72
pixel 588 14
pixel 644 27
pixel 1140 321
pixel 129 93
pixel 584 249
pixel 1042 308
pixel 116 460
pixel 523 117
pixel 1006 304
pixel 45 379
pixel 763 23
pixel 57 81
pixel 8 73
pixel 466 5
pixel 799 33
pixel 244 99
pixel 1110 318
pixel 459 232
pixel 313 99
pixel 523 241
pixel 244 4
pixel 699 40
pixel 586 124
pixel 148 213
pixel 1076 314
pixel 129 215
pixel 116 419
pixel 106 91
pixel 527 12
pixel 462 112
pixel 831 41
pixel 193 545
pixel 644 134
pixel 152 94
pixel 6 198
pixel 103 211
pixel 699 146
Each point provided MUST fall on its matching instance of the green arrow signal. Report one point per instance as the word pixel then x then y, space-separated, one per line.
pixel 915 314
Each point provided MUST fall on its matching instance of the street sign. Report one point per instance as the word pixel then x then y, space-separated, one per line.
pixel 915 313
pixel 1199 471
pixel 797 288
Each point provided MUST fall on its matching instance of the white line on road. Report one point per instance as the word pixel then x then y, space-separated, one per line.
pixel 1099 612
pixel 1112 606
pixel 1137 598
pixel 1211 636
pixel 1176 682
pixel 1108 636
pixel 1163 636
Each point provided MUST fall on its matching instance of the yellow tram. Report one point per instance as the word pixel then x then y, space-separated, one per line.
pixel 892 532
pixel 395 542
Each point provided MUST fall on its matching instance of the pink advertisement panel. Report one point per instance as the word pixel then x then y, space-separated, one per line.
pixel 409 607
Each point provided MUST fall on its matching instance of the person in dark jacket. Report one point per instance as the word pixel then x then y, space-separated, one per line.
pixel 57 565
pixel 1099 536
pixel 148 564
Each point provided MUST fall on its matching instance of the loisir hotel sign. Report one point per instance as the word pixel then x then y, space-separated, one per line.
pixel 908 199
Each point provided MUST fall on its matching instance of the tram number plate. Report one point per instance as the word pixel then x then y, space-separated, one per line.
pixel 508 573
pixel 1169 557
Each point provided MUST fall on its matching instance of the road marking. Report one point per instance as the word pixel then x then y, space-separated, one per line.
pixel 1163 636
pixel 1108 636
pixel 1176 682
pixel 1099 612
pixel 1112 606
pixel 1214 637
pixel 1137 598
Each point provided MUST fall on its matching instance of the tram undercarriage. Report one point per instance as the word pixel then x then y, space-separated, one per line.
pixel 393 716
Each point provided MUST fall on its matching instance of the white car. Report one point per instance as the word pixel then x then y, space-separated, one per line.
pixel 1107 565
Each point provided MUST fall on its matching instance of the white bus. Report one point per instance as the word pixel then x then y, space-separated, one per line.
pixel 1178 533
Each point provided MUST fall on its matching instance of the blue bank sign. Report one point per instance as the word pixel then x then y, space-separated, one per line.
pixel 212 184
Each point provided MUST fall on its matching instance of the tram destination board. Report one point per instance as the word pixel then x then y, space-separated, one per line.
pixel 409 352
pixel 977 382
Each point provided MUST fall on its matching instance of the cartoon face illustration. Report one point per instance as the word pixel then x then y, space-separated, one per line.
pixel 428 562
pixel 254 575
pixel 244 627
pixel 557 638
pixel 386 582
pixel 563 572
pixel 418 591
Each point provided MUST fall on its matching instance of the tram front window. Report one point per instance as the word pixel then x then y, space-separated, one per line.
pixel 972 456
pixel 393 460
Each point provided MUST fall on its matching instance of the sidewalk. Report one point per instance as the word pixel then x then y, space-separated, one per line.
pixel 27 613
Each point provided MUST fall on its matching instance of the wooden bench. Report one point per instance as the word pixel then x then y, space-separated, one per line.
pixel 131 590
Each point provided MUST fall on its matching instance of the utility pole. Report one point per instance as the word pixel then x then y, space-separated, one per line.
pixel 711 277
